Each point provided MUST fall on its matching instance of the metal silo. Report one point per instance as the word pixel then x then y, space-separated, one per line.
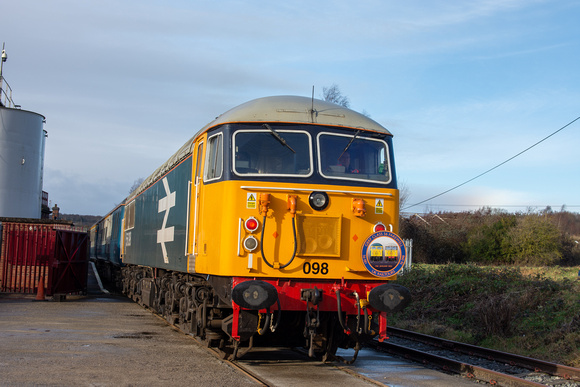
pixel 21 163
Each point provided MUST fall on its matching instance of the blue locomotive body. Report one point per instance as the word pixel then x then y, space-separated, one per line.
pixel 159 236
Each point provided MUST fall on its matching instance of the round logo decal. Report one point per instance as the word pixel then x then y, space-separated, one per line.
pixel 384 254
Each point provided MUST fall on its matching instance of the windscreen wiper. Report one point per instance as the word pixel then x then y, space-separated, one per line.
pixel 349 143
pixel 278 137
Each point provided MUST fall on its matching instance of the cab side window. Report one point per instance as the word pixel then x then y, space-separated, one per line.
pixel 198 163
pixel 130 215
pixel 214 158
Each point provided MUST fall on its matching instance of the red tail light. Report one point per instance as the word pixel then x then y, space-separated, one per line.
pixel 379 227
pixel 251 224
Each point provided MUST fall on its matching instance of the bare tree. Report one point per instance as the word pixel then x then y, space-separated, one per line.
pixel 136 184
pixel 333 94
pixel 404 194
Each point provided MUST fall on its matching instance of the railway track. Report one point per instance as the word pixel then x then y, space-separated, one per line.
pixel 274 367
pixel 477 363
pixel 216 352
pixel 486 365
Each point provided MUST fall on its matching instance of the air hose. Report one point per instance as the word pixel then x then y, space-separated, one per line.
pixel 339 310
pixel 270 320
pixel 262 244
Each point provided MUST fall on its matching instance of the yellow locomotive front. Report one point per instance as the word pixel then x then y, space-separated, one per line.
pixel 295 218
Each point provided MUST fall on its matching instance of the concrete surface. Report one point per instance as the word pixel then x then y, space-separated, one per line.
pixel 100 341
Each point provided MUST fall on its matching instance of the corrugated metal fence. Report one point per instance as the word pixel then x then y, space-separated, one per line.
pixel 54 256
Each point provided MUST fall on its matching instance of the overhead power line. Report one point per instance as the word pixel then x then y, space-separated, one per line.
pixel 497 166
pixel 506 205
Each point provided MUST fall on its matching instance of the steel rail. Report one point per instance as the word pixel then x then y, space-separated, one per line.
pixel 222 356
pixel 537 365
pixel 446 364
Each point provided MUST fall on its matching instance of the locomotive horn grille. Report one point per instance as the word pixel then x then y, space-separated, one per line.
pixel 319 235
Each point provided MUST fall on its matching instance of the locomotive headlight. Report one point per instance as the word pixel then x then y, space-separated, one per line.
pixel 251 224
pixel 318 200
pixel 250 243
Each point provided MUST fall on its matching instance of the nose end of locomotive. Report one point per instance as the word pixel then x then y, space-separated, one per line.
pixel 254 295
pixel 389 298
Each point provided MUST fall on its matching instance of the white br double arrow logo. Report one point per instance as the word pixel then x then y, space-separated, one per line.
pixel 166 233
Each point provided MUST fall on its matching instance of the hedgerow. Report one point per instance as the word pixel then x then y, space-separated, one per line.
pixel 531 311
pixel 494 237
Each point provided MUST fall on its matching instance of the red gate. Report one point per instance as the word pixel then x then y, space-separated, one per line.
pixel 48 254
pixel 69 270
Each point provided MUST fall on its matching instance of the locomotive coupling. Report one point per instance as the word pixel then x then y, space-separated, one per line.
pixel 292 205
pixel 389 297
pixel 314 296
pixel 254 295
pixel 264 203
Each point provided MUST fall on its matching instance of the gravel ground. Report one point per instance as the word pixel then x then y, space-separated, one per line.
pixel 100 341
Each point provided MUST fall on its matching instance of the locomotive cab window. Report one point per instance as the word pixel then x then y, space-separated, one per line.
pixel 130 215
pixel 350 157
pixel 214 158
pixel 198 163
pixel 271 152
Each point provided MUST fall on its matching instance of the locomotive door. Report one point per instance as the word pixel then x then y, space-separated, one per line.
pixel 196 201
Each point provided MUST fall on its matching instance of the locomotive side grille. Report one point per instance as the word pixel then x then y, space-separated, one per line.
pixel 318 235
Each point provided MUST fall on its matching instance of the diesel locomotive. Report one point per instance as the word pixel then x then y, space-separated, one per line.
pixel 276 224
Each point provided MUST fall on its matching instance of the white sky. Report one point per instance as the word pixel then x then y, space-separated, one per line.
pixel 462 85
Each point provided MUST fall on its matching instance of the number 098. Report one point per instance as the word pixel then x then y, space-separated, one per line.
pixel 315 268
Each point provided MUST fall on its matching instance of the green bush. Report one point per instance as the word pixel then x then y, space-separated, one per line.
pixel 534 241
pixel 487 243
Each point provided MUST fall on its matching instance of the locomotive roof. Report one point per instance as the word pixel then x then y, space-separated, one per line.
pixel 291 109
pixel 296 110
